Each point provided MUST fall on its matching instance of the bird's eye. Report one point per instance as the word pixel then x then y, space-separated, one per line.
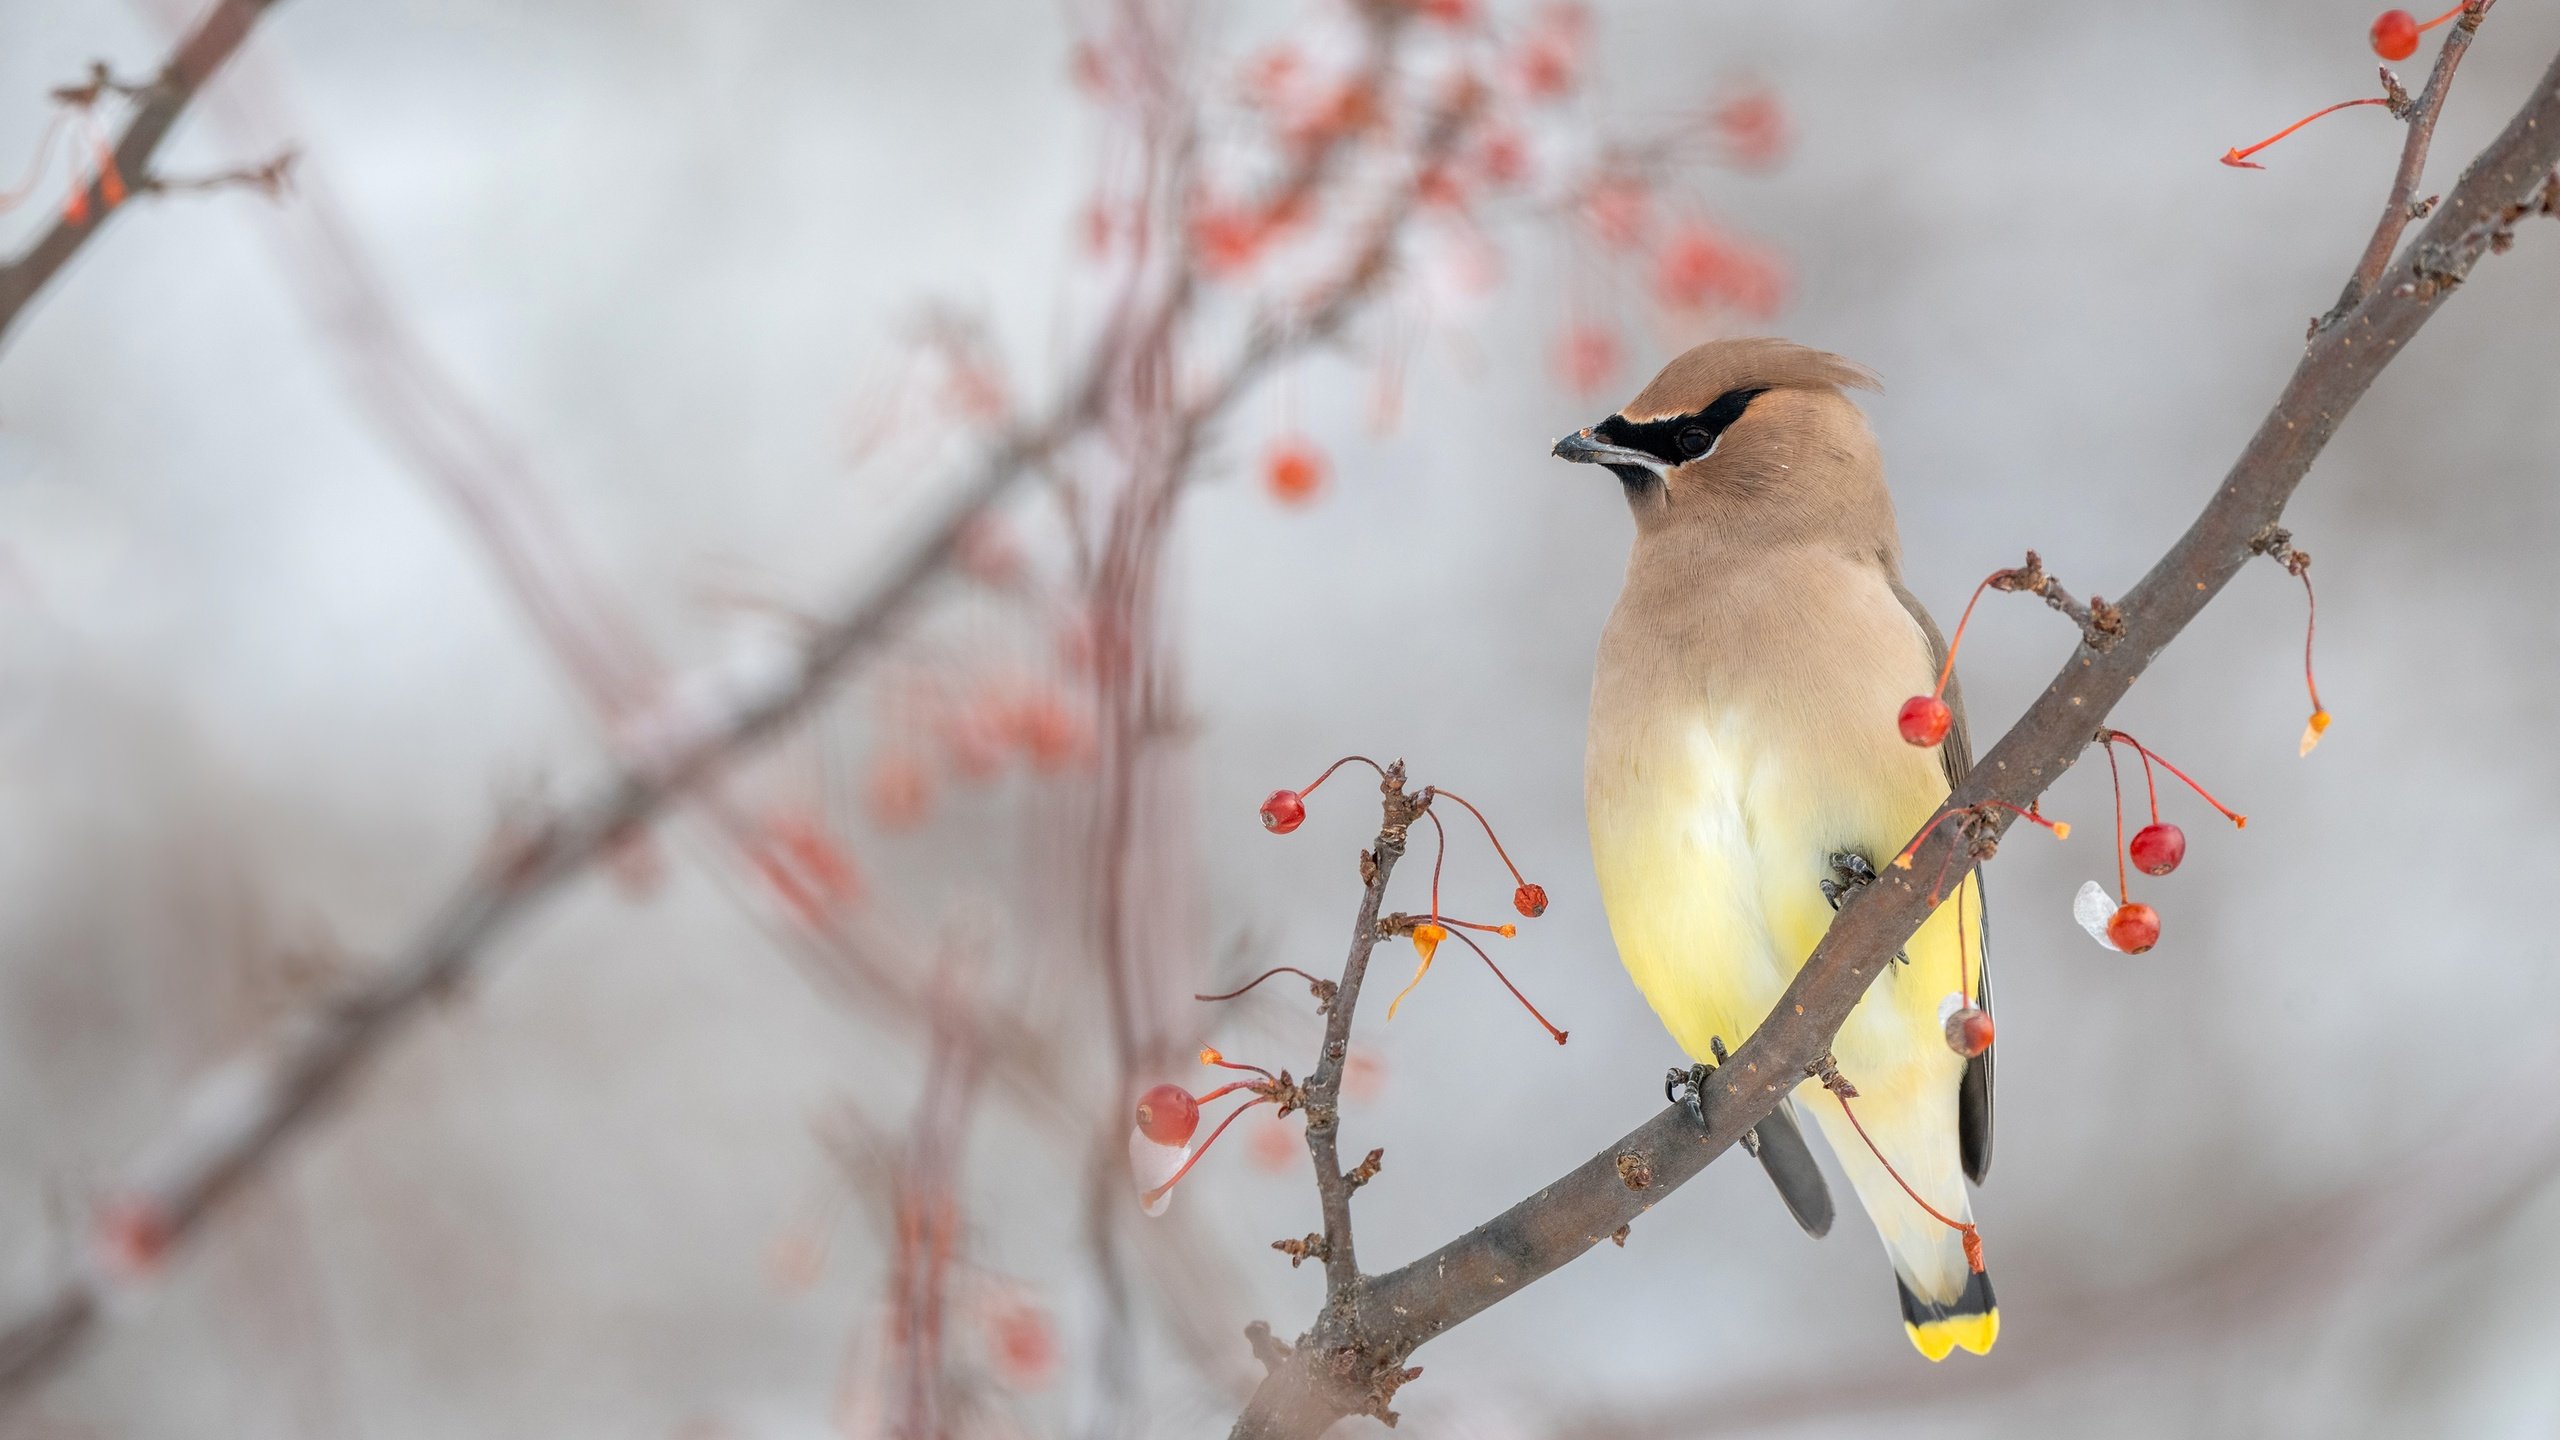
pixel 1695 442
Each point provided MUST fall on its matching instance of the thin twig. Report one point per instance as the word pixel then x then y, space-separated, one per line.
pixel 2398 210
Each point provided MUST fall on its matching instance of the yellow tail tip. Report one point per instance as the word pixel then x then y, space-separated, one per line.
pixel 1939 1338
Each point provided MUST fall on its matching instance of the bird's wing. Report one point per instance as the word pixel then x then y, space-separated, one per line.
pixel 1973 1092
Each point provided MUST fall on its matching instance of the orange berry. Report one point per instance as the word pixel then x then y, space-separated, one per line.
pixel 1168 1115
pixel 2134 928
pixel 1293 472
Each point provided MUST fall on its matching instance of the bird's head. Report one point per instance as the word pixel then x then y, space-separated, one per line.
pixel 1747 439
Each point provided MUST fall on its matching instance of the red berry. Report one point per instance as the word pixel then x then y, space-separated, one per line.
pixel 134 1236
pixel 2134 928
pixel 1969 1032
pixel 1283 812
pixel 2157 848
pixel 1925 720
pixel 1168 1115
pixel 2395 35
pixel 1293 472
pixel 1530 900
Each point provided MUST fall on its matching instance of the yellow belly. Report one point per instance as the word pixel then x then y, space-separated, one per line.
pixel 1711 845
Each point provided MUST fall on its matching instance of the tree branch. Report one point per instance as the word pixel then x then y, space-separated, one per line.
pixel 1329 1376
pixel 2399 209
pixel 1324 1083
pixel 200 54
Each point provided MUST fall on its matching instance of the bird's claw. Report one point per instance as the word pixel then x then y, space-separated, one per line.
pixel 1849 871
pixel 1688 1090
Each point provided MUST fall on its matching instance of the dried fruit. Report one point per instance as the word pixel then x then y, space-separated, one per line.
pixel 1969 1031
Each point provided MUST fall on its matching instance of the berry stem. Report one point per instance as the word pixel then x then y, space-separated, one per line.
pixel 1439 853
pixel 1972 1237
pixel 2238 820
pixel 1258 979
pixel 1903 860
pixel 2061 828
pixel 1209 1056
pixel 2239 157
pixel 1552 1031
pixel 2431 24
pixel 1516 877
pixel 1338 764
pixel 2115 777
pixel 2310 629
pixel 1947 669
pixel 11 199
pixel 1157 1193
pixel 1964 953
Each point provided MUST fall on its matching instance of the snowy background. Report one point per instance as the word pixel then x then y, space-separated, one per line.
pixel 261 696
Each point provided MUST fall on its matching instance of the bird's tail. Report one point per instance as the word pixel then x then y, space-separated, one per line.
pixel 1947 1305
pixel 1971 1321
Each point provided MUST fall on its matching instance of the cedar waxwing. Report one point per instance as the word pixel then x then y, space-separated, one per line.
pixel 1745 766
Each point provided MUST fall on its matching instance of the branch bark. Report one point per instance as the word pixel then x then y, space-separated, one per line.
pixel 197 57
pixel 1329 1376
pixel 2396 208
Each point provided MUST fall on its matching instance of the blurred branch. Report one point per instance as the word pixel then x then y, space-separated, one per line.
pixel 164 99
pixel 1363 1337
pixel 238 1116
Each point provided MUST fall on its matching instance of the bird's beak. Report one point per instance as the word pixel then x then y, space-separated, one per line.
pixel 1590 449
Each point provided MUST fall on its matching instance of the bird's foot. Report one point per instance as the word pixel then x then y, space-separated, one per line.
pixel 1849 871
pixel 1685 1088
pixel 1688 1090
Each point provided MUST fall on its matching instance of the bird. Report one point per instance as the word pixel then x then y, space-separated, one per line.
pixel 1744 766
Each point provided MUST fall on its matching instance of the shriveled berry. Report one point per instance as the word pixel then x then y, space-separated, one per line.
pixel 1283 812
pixel 1925 720
pixel 1530 900
pixel 2395 35
pixel 1168 1115
pixel 2157 848
pixel 2134 928
pixel 1969 1031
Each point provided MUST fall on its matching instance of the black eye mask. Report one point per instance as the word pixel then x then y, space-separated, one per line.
pixel 1678 439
